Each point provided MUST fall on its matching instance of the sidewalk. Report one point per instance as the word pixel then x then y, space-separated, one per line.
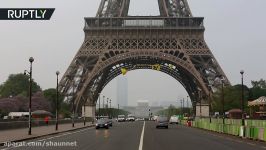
pixel 22 134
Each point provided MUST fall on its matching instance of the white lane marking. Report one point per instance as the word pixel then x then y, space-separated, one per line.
pixel 142 137
pixel 251 144
pixel 50 138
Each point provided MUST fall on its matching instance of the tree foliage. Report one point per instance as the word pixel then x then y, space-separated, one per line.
pixel 50 95
pixel 17 84
pixel 232 98
pixel 172 110
pixel 21 104
pixel 258 89
pixel 259 84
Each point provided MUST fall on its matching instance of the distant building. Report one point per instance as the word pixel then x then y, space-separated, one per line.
pixel 142 109
pixel 122 91
pixel 17 115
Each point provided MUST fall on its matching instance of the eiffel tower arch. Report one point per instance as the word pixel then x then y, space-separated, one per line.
pixel 172 43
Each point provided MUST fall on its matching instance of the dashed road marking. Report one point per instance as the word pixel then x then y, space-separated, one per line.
pixel 142 137
pixel 251 144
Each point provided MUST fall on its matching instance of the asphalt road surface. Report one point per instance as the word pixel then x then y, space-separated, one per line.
pixel 134 136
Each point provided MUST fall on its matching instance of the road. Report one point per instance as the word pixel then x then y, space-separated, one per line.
pixel 128 136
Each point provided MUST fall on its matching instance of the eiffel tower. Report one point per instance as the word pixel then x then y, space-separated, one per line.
pixel 172 42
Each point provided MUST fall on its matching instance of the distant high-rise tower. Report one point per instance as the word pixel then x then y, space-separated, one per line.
pixel 122 91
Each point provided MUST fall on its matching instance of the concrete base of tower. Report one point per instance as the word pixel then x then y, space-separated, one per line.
pixel 88 111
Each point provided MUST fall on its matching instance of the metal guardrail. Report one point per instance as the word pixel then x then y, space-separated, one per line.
pixel 251 132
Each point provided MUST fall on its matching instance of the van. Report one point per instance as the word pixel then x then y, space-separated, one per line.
pixel 174 120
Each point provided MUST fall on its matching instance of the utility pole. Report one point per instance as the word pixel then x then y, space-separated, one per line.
pixel 110 107
pixel 187 106
pixel 73 105
pixel 181 109
pixel 103 105
pixel 184 110
pixel 99 112
pixel 118 109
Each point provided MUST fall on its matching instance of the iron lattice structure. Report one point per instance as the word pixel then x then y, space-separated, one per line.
pixel 172 43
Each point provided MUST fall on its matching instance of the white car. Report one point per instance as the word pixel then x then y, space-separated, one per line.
pixel 154 118
pixel 130 118
pixel 174 120
pixel 140 119
pixel 121 118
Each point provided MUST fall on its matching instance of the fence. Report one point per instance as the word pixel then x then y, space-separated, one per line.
pixel 253 129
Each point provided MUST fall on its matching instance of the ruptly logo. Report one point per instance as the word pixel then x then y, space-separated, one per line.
pixel 26 13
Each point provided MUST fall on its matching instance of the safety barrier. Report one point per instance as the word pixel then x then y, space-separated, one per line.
pixel 253 129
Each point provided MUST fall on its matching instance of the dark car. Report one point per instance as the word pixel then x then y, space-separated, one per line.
pixel 108 119
pixel 162 122
pixel 110 122
pixel 102 123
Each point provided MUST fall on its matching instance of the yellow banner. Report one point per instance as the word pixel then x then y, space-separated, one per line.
pixel 156 67
pixel 123 71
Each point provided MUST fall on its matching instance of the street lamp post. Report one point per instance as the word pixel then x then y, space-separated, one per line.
pixel 181 110
pixel 73 105
pixel 210 103
pixel 107 102
pixel 31 59
pixel 118 109
pixel 56 104
pixel 107 109
pixel 223 100
pixel 149 114
pixel 187 106
pixel 194 107
pixel 242 97
pixel 84 114
pixel 99 111
pixel 110 107
pixel 103 105
pixel 184 108
pixel 200 102
pixel 210 107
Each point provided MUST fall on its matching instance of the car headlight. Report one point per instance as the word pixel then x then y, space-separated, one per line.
pixel 106 124
pixel 96 124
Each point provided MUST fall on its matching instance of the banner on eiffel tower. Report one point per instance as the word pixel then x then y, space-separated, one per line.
pixel 156 67
pixel 124 71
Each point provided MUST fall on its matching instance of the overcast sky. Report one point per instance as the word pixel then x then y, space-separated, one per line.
pixel 235 32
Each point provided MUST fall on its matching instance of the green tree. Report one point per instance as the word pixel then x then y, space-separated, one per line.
pixel 50 95
pixel 258 89
pixel 65 109
pixel 17 84
pixel 259 84
pixel 232 98
pixel 172 110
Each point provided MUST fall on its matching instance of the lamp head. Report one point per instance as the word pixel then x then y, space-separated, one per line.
pixel 242 72
pixel 31 59
pixel 57 72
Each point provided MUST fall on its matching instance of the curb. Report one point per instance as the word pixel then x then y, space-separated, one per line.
pixel 39 136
